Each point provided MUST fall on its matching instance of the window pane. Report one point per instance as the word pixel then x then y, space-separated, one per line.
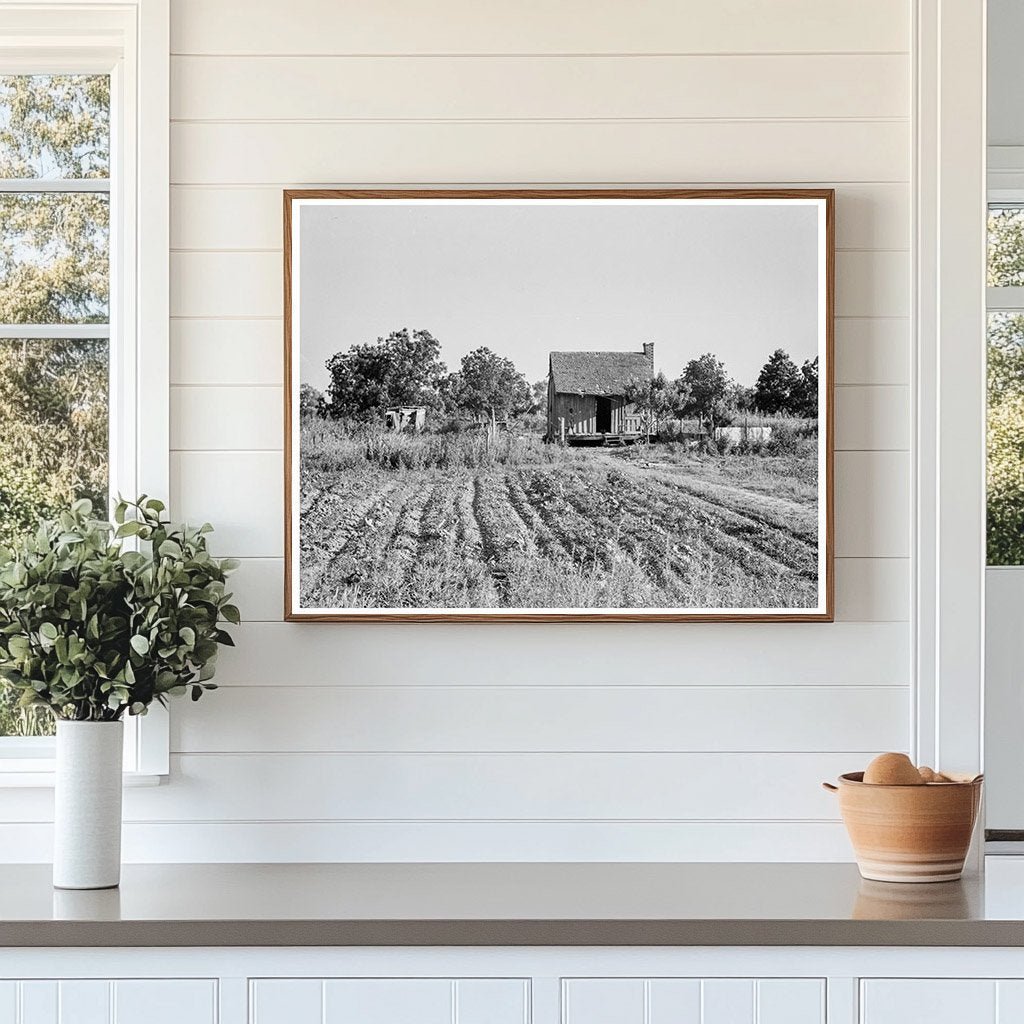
pixel 1006 439
pixel 53 449
pixel 1005 246
pixel 54 258
pixel 54 126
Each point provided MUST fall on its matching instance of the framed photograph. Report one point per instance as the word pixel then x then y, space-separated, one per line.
pixel 559 405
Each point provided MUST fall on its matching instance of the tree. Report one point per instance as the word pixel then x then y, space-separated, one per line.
pixel 654 397
pixel 53 404
pixel 804 397
pixel 740 398
pixel 539 393
pixel 311 401
pixel 779 378
pixel 706 386
pixel 404 368
pixel 490 385
pixel 54 249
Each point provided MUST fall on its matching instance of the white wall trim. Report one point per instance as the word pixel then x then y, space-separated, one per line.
pixel 950 380
pixel 133 40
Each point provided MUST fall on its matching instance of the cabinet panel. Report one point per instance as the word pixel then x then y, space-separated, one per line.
pixel 388 1001
pixel 83 1002
pixel 727 1001
pixel 492 1002
pixel 8 1002
pixel 164 1002
pixel 674 1001
pixel 286 1001
pixel 101 1001
pixel 603 1001
pixel 693 1001
pixel 929 1001
pixel 790 1001
pixel 39 1003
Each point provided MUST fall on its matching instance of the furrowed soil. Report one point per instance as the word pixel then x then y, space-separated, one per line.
pixel 604 529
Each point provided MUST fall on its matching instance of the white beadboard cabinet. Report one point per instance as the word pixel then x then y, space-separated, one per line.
pixel 513 985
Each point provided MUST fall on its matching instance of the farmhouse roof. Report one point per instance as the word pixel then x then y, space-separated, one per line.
pixel 598 373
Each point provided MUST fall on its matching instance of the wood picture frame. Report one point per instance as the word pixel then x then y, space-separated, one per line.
pixel 753 528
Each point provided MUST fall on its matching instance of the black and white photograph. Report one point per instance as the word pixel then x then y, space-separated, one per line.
pixel 533 405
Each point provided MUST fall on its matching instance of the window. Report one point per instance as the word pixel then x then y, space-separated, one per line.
pixel 84 124
pixel 1005 500
pixel 54 308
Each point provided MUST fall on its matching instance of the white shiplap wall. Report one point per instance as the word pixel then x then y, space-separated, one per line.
pixel 513 741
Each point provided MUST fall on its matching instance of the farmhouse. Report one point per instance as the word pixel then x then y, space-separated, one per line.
pixel 586 395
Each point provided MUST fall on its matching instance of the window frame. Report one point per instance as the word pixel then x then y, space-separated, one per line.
pixel 130 41
pixel 1003 714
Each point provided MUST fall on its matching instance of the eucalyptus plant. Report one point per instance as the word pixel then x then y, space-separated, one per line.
pixel 98 619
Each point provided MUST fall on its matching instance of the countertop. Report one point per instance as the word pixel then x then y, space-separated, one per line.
pixel 558 904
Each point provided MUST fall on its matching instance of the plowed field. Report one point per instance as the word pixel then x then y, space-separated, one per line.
pixel 606 532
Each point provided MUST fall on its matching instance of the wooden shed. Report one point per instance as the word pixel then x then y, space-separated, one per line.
pixel 409 418
pixel 586 395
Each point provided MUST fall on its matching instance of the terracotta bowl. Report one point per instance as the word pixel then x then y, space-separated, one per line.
pixel 909 833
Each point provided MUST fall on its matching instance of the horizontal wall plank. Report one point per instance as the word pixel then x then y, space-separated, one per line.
pixel 577 26
pixel 251 418
pixel 234 418
pixel 453 842
pixel 498 654
pixel 867 589
pixel 873 418
pixel 218 352
pixel 258 586
pixel 249 217
pixel 255 787
pixel 872 500
pixel 871 350
pixel 249 284
pixel 528 152
pixel 873 589
pixel 241 493
pixel 873 283
pixel 527 88
pixel 549 718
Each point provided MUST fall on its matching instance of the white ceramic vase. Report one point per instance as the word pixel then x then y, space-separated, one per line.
pixel 87 811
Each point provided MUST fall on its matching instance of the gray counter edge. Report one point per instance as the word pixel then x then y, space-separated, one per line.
pixel 251 933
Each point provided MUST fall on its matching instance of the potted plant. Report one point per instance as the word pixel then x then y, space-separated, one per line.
pixel 99 620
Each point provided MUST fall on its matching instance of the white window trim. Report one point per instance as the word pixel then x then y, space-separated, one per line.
pixel 1004 720
pixel 949 446
pixel 131 40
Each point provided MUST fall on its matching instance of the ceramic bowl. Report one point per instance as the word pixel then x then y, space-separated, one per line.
pixel 909 833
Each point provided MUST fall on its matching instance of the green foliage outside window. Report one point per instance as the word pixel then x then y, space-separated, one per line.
pixel 54 269
pixel 1005 484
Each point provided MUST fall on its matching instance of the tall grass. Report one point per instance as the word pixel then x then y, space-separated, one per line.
pixel 337 445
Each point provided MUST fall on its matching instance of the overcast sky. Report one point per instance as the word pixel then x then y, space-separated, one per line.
pixel 524 279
